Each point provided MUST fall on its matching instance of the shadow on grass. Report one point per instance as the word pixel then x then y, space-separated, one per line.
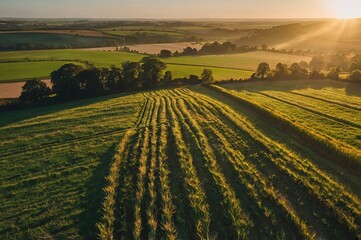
pixel 94 197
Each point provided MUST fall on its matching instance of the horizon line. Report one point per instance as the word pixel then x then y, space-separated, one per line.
pixel 178 19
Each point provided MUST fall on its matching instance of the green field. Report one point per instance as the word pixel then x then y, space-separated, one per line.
pixel 54 40
pixel 25 70
pixel 219 73
pixel 246 61
pixel 224 66
pixel 53 162
pixel 98 58
pixel 183 162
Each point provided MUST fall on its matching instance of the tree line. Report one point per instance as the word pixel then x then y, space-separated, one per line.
pixel 73 81
pixel 207 49
pixel 301 71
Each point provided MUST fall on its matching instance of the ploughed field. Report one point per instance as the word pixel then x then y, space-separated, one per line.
pixel 235 161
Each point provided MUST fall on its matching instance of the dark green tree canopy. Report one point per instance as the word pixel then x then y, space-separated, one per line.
pixel 64 80
pixel 131 74
pixel 92 82
pixel 152 69
pixel 34 90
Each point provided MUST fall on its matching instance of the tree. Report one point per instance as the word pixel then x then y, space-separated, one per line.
pixel 354 66
pixel 217 48
pixel 131 74
pixel 114 80
pixel 151 73
pixel 355 75
pixel 64 81
pixel 168 76
pixel 207 76
pixel 262 70
pixel 315 74
pixel 281 71
pixel 165 53
pixel 317 63
pixel 297 72
pixel 92 82
pixel 334 73
pixel 229 47
pixel 34 90
pixel 304 64
pixel 188 51
pixel 194 79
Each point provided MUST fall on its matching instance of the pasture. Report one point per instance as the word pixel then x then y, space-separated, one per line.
pixel 53 40
pixel 18 71
pixel 181 163
pixel 245 61
pixel 227 66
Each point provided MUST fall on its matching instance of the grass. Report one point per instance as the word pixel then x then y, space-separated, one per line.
pixel 15 71
pixel 224 66
pixel 57 40
pixel 218 73
pixel 245 61
pixel 171 163
pixel 60 154
pixel 333 121
pixel 98 58
pixel 25 70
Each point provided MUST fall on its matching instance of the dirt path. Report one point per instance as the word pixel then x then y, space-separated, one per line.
pixel 13 90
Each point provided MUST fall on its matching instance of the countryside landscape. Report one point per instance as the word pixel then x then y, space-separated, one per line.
pixel 180 120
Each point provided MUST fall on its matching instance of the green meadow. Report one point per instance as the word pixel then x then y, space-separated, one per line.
pixel 224 66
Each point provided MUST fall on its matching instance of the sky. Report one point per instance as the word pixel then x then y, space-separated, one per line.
pixel 181 9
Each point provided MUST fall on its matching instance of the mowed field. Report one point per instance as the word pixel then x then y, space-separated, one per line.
pixel 234 66
pixel 192 162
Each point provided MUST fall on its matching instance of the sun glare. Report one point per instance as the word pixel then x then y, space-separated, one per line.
pixel 346 8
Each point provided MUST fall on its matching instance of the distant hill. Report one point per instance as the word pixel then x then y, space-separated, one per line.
pixel 326 35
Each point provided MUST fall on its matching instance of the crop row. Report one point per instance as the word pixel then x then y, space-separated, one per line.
pixel 343 154
pixel 194 168
pixel 328 191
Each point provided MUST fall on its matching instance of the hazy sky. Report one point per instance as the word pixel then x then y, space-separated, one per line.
pixel 181 8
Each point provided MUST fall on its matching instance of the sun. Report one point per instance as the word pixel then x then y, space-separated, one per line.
pixel 345 8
